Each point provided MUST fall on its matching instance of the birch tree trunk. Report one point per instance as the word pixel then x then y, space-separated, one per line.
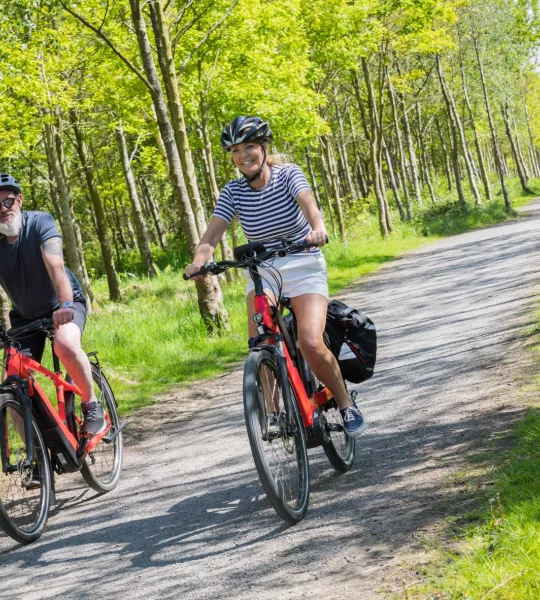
pixel 155 212
pixel 209 293
pixel 141 231
pixel 101 225
pixel 211 183
pixel 312 180
pixel 401 152
pixel 413 163
pixel 168 72
pixel 479 153
pixel 375 143
pixel 496 152
pixel 334 185
pixel 342 150
pixel 68 228
pixel 427 176
pixel 328 187
pixel 523 179
pixel 4 308
pixel 454 115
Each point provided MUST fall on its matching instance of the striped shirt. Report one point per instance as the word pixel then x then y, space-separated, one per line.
pixel 271 213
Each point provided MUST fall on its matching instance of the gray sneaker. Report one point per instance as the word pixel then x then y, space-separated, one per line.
pixel 94 417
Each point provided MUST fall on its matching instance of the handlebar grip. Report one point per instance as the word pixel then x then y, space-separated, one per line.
pixel 186 277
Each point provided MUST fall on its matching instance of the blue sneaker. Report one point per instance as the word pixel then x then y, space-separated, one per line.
pixel 353 421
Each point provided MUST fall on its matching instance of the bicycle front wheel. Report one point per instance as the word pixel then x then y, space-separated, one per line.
pixel 25 490
pixel 278 443
pixel 102 466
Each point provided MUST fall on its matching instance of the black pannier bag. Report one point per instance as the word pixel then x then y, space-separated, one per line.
pixel 352 338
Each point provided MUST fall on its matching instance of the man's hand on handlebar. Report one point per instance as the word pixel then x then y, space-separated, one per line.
pixel 62 316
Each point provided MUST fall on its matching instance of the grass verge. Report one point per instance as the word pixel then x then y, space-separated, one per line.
pixel 154 339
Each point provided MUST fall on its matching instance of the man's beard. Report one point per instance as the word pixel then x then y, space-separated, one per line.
pixel 13 227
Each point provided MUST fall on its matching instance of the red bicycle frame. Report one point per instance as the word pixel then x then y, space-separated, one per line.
pixel 307 405
pixel 21 367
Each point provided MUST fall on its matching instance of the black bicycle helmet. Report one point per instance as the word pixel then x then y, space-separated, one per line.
pixel 245 129
pixel 7 182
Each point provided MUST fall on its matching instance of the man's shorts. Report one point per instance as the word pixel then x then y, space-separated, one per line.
pixel 33 344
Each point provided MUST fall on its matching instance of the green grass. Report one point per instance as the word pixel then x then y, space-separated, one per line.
pixel 501 556
pixel 154 339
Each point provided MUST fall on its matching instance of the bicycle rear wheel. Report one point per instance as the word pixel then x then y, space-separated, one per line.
pixel 340 448
pixel 279 451
pixel 24 491
pixel 102 466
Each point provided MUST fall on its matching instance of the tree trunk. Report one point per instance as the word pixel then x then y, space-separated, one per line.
pixel 4 308
pixel 446 160
pixel 532 153
pixel 101 225
pixel 86 284
pixel 423 157
pixel 334 185
pixel 519 150
pixel 413 164
pixel 456 123
pixel 401 152
pixel 479 154
pixel 155 212
pixel 342 150
pixel 361 182
pixel 523 179
pixel 141 231
pixel 312 179
pixel 209 293
pixel 455 145
pixel 68 229
pixel 375 143
pixel 327 181
pixel 496 153
pixel 211 183
pixel 168 72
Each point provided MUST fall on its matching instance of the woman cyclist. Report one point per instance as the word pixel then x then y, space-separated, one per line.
pixel 273 201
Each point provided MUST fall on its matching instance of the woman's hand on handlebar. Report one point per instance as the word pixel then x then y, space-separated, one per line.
pixel 319 237
pixel 193 268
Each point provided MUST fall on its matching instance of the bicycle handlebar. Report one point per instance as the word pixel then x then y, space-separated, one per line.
pixel 215 268
pixel 37 325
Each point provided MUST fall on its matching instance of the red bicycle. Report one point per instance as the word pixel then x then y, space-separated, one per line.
pixel 38 439
pixel 287 409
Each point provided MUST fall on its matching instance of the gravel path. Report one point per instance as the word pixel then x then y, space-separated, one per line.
pixel 188 519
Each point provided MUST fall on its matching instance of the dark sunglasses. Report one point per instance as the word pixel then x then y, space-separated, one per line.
pixel 8 202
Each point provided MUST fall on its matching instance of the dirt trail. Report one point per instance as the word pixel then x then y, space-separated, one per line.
pixel 188 519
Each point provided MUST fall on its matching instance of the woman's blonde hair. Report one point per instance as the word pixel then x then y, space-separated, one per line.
pixel 274 160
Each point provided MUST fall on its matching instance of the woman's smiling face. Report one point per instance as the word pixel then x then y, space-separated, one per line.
pixel 248 157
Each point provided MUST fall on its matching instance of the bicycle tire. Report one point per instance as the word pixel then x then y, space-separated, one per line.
pixel 340 449
pixel 24 508
pixel 102 466
pixel 288 494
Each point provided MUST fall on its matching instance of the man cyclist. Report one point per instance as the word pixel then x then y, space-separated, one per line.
pixel 39 285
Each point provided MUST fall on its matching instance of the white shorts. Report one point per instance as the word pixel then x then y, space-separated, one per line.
pixel 303 273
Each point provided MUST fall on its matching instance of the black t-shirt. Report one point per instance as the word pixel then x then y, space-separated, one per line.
pixel 23 273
